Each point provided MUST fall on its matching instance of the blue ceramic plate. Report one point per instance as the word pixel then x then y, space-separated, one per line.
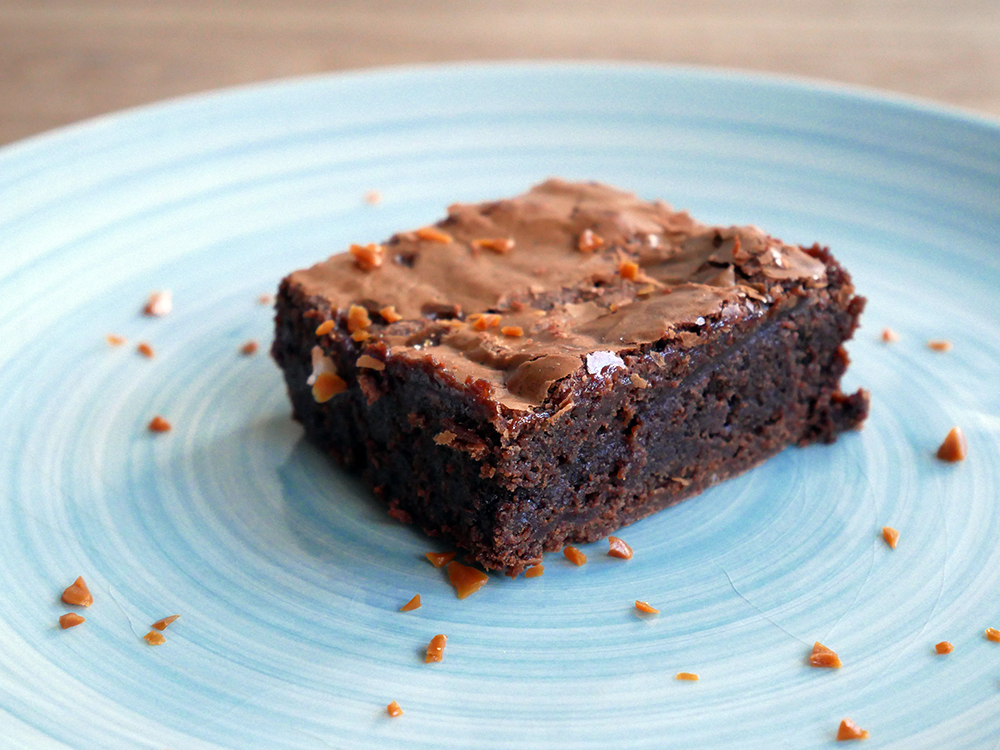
pixel 288 575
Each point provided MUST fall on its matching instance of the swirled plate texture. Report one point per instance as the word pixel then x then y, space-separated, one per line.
pixel 288 575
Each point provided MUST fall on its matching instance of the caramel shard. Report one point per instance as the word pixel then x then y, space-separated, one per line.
pixel 992 634
pixel 944 647
pixel 851 731
pixel 249 348
pixel 482 322
pixel 78 594
pixel 433 234
pixel 574 555
pixel 512 331
pixel 639 382
pixel 114 339
pixel 689 676
pixel 435 649
pixel 445 437
pixel 389 314
pixel 324 328
pixel 326 386
pixel 466 580
pixel 154 638
pixel 411 605
pixel 71 620
pixel 889 336
pixel 954 448
pixel 645 608
pixel 939 345
pixel 159 424
pixel 146 350
pixel 360 336
pixel 890 535
pixel 629 269
pixel 618 548
pixel 440 559
pixel 534 571
pixel 394 709
pixel 821 656
pixel 588 241
pixel 368 257
pixel 499 245
pixel 373 198
pixel 370 363
pixel 159 304
pixel 357 318
pixel 162 624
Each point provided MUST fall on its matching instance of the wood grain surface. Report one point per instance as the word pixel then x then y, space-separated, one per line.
pixel 64 60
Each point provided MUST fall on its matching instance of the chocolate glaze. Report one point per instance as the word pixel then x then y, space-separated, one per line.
pixel 690 276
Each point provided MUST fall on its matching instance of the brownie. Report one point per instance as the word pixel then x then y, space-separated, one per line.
pixel 545 369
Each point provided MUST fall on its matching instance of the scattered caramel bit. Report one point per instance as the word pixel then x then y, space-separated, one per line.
pixel 435 649
pixel 992 634
pixel 466 580
pixel 499 245
pixel 154 638
pixel 433 234
pixel 646 608
pixel 158 304
pixel 360 336
pixel 114 339
pixel 249 348
pixel 954 448
pixel 534 571
pixel 889 336
pixel 512 331
pixel 821 656
pixel 71 620
pixel 689 676
pixel 851 731
pixel 394 709
pixel 370 363
pixel 445 437
pixel 574 555
pixel 944 647
pixel 324 328
pixel 411 605
pixel 265 299
pixel 619 548
pixel 629 269
pixel 326 386
pixel 939 345
pixel 890 535
pixel 357 318
pixel 639 382
pixel 159 424
pixel 162 624
pixel 588 241
pixel 146 350
pixel 482 322
pixel 373 198
pixel 440 559
pixel 389 314
pixel 368 257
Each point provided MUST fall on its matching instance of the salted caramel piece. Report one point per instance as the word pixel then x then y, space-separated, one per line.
pixel 389 314
pixel 890 535
pixel 154 638
pixel 114 339
pixel 324 328
pixel 326 386
pixel 939 345
pixel 574 555
pixel 162 624
pixel 482 322
pixel 688 676
pixel 466 580
pixel 534 571
pixel 499 245
pixel 158 304
pixel 435 649
pixel 889 336
pixel 638 382
pixel 370 363
pixel 618 548
pixel 646 608
pixel 357 318
pixel 512 331
pixel 629 269
pixel 159 424
pixel 821 656
pixel 992 634
pixel 587 242
pixel 954 448
pixel 394 709
pixel 850 731
pixel 145 350
pixel 440 559
pixel 249 348
pixel 71 620
pixel 368 257
pixel 360 336
pixel 411 605
pixel 944 647
pixel 433 234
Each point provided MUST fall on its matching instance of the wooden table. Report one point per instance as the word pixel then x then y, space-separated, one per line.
pixel 64 60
